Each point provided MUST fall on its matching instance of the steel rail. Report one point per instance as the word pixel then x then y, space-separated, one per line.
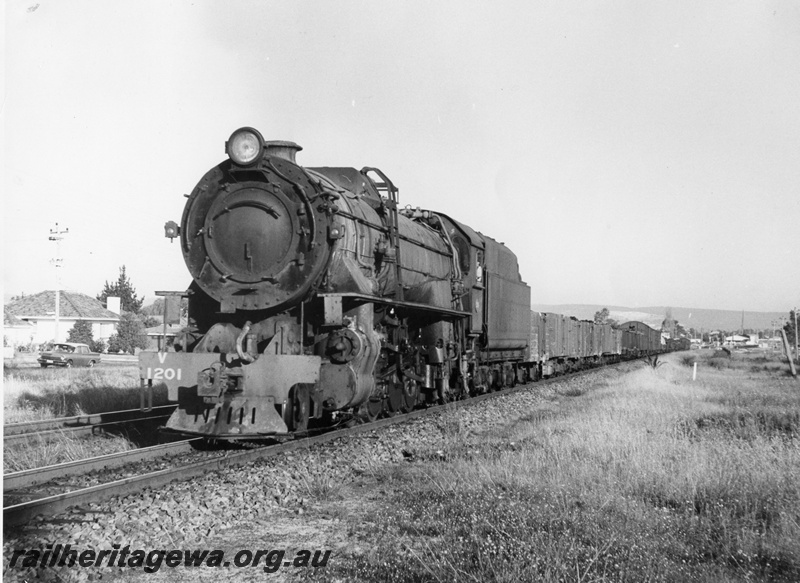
pixel 77 431
pixel 50 505
pixel 25 478
pixel 78 420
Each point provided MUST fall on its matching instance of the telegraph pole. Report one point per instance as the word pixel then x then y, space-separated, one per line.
pixel 57 235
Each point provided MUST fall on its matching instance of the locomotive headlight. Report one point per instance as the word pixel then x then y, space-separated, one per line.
pixel 244 146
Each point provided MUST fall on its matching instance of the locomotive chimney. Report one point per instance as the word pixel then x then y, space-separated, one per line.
pixel 285 150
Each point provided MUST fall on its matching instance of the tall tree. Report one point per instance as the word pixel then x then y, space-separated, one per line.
pixel 124 290
pixel 82 332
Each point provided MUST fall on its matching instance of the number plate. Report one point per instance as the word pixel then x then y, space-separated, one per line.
pixel 163 373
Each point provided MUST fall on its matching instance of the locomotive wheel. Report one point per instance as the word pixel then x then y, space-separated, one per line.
pixel 372 409
pixel 410 394
pixel 298 409
pixel 395 402
pixel 497 380
pixel 511 378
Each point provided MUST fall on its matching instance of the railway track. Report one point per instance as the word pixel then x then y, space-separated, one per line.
pixel 17 481
pixel 50 503
pixel 80 425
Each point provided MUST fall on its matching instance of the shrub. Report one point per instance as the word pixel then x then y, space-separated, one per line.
pixel 719 363
pixel 130 335
pixel 653 361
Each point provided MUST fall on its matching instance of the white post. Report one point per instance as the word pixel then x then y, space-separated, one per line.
pixel 694 372
pixel 796 338
pixel 56 235
pixel 788 350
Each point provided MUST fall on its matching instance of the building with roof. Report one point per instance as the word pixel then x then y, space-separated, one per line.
pixel 38 311
pixel 16 332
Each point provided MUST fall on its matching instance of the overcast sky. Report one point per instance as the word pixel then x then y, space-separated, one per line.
pixel 630 153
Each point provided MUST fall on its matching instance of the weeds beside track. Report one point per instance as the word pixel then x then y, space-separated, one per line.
pixel 645 477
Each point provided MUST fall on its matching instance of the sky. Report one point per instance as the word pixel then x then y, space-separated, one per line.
pixel 630 153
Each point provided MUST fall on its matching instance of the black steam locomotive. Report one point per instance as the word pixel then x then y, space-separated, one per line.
pixel 314 292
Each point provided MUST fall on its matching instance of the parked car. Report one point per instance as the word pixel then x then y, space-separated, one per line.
pixel 69 354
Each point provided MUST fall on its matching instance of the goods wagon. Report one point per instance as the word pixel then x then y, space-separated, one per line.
pixel 639 339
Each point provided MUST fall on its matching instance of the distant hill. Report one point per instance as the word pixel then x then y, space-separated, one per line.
pixel 697 318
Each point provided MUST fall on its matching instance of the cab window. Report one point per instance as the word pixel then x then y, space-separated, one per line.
pixel 463 254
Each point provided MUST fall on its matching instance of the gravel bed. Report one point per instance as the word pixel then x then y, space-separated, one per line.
pixel 268 504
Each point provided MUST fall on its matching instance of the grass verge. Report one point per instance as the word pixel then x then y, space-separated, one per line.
pixel 39 453
pixel 650 477
pixel 31 394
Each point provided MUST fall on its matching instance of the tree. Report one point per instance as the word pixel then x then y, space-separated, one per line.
pixel 668 325
pixel 601 317
pixel 130 335
pixel 82 332
pixel 789 328
pixel 124 290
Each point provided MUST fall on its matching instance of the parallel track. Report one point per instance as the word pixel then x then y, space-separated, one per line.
pixel 25 511
pixel 81 424
pixel 15 481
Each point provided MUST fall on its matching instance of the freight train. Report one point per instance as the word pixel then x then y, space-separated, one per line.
pixel 315 293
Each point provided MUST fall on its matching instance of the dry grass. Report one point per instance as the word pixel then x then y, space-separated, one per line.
pixel 31 394
pixel 651 477
pixel 39 453
pixel 319 482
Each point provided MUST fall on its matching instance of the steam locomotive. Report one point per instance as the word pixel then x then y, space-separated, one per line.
pixel 314 293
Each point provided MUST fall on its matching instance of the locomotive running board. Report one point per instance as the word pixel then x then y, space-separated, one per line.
pixel 359 297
